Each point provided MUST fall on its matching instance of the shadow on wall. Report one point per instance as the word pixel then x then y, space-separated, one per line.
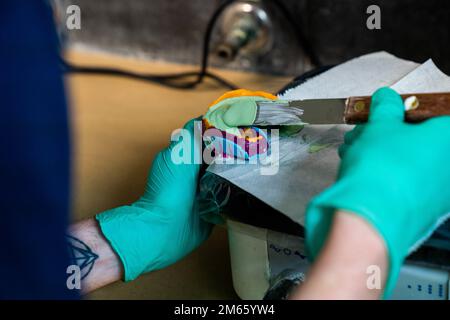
pixel 337 31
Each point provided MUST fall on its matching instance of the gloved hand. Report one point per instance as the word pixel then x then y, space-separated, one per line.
pixel 393 174
pixel 162 226
pixel 234 109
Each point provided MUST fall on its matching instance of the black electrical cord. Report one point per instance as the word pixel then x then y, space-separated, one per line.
pixel 177 80
pixel 169 80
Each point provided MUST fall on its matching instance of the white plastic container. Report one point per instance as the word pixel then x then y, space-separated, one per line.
pixel 249 260
pixel 259 254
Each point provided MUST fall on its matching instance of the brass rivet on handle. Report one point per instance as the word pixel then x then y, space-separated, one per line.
pixel 411 103
pixel 359 106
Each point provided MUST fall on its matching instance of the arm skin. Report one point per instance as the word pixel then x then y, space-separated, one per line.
pixel 106 267
pixel 340 271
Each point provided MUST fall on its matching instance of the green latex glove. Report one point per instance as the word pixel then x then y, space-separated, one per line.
pixel 162 226
pixel 231 113
pixel 393 174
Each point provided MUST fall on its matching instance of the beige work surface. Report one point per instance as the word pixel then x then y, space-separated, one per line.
pixel 118 125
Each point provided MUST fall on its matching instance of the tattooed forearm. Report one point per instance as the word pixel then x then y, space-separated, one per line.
pixel 81 255
pixel 91 252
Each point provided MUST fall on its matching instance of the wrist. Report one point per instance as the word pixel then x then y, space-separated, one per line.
pixel 380 207
pixel 351 265
pixel 354 249
pixel 100 264
pixel 138 236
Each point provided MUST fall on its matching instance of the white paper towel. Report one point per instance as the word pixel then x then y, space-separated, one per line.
pixel 358 77
pixel 426 78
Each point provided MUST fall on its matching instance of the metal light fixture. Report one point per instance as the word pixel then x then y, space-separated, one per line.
pixel 246 29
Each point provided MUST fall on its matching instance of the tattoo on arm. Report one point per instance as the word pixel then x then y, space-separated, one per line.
pixel 81 255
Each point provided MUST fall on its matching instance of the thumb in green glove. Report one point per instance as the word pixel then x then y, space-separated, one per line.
pixel 235 109
pixel 231 113
pixel 394 175
pixel 162 226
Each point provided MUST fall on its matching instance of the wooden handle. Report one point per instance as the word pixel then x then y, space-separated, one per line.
pixel 421 106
